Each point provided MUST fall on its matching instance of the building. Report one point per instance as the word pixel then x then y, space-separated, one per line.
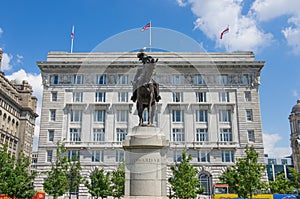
pixel 17 115
pixel 210 105
pixel 276 166
pixel 294 119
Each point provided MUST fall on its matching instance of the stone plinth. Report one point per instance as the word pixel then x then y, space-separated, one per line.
pixel 146 149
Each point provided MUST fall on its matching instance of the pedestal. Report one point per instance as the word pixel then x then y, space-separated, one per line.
pixel 145 158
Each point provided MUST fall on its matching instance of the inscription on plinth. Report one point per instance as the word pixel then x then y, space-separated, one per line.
pixel 145 163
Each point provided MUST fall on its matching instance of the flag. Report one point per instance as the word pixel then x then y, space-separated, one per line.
pixel 148 25
pixel 72 33
pixel 223 32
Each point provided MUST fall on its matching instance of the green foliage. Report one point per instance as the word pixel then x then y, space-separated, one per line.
pixel 57 182
pixel 245 177
pixel 281 185
pixel 184 182
pixel 296 179
pixel 99 185
pixel 118 181
pixel 74 176
pixel 15 177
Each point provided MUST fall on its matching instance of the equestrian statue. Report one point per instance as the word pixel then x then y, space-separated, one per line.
pixel 145 89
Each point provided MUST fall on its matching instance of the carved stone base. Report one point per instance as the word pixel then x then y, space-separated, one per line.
pixel 145 158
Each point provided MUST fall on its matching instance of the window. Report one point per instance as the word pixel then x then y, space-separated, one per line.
pixel 97 156
pixel 101 79
pixel 205 181
pixel 77 96
pixel 249 115
pixel 178 80
pixel 251 137
pixel 177 97
pixel 177 156
pixel 201 116
pixel 224 96
pixel 121 134
pixel 199 80
pixel 54 79
pixel 76 115
pixel 200 96
pixel 272 161
pixel 77 79
pixel 99 97
pixel 51 135
pixel 122 116
pixel 201 135
pixel 49 155
pixel 245 79
pixel 75 135
pixel 99 135
pixel 247 96
pixel 225 135
pixel 99 116
pixel 53 96
pixel 178 135
pixel 52 115
pixel 177 116
pixel 227 156
pixel 123 97
pixel 120 156
pixel 73 154
pixel 224 116
pixel 284 161
pixel 122 79
pixel 223 79
pixel 203 156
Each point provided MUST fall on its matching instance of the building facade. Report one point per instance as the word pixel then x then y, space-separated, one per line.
pixel 276 166
pixel 294 119
pixel 17 115
pixel 210 106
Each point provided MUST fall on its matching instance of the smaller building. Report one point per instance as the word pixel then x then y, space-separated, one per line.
pixel 17 115
pixel 276 166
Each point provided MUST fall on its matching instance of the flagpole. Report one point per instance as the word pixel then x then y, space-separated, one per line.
pixel 150 35
pixel 72 38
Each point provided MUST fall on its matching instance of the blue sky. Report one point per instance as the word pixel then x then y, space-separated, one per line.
pixel 30 29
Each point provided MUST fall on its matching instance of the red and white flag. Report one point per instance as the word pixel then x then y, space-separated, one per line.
pixel 223 32
pixel 72 33
pixel 148 25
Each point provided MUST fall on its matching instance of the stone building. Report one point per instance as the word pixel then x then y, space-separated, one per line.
pixel 17 115
pixel 294 119
pixel 210 105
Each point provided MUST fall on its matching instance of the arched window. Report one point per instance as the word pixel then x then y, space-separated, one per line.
pixel 205 181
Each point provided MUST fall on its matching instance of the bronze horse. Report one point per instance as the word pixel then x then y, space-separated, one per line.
pixel 146 99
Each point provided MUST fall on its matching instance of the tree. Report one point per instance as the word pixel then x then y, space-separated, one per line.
pixel 281 185
pixel 57 183
pixel 296 179
pixel 15 177
pixel 118 181
pixel 184 182
pixel 99 185
pixel 74 176
pixel 245 177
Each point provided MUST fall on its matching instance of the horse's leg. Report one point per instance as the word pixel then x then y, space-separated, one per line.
pixel 150 110
pixel 140 113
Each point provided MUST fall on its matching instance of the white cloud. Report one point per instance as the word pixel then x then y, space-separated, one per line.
pixel 271 149
pixel 181 3
pixel 19 58
pixel 35 80
pixel 295 93
pixel 266 10
pixel 6 62
pixel 1 32
pixel 215 15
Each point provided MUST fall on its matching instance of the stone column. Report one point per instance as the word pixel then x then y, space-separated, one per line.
pixel 145 157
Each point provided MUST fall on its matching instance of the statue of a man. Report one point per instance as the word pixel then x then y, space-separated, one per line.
pixel 144 74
